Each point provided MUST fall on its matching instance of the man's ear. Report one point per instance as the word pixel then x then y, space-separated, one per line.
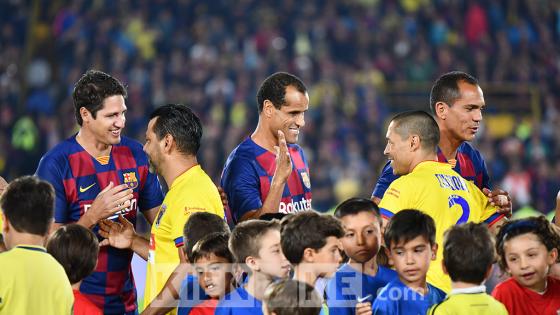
pixel 268 108
pixel 441 110
pixel 5 226
pixel 308 255
pixel 168 143
pixel 85 114
pixel 414 142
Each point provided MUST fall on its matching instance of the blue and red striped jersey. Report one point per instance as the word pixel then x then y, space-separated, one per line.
pixel 469 163
pixel 78 178
pixel 247 176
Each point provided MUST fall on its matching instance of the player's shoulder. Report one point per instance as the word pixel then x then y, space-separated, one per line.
pixel 468 149
pixel 134 145
pixel 59 154
pixel 244 152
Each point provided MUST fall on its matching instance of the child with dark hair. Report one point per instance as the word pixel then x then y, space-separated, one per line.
pixel 76 248
pixel 468 255
pixel 361 277
pixel 311 242
pixel 255 244
pixel 410 239
pixel 212 262
pixel 527 248
pixel 291 297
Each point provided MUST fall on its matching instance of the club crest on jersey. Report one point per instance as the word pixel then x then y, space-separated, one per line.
pixel 160 214
pixel 130 180
pixel 305 179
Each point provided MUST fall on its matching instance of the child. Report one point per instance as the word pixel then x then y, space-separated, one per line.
pixel 290 297
pixel 212 261
pixel 76 249
pixel 526 249
pixel 256 245
pixel 31 280
pixel 468 254
pixel 311 242
pixel 410 240
pixel 198 226
pixel 361 277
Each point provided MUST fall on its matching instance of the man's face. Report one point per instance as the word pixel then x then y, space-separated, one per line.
pixel 290 117
pixel 152 146
pixel 398 151
pixel 109 121
pixel 463 118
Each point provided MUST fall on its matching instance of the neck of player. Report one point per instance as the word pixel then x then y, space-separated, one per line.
pixel 448 145
pixel 257 283
pixel 175 166
pixel 264 138
pixel 91 145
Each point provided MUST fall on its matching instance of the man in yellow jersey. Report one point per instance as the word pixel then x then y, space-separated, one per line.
pixel 430 186
pixel 31 280
pixel 172 142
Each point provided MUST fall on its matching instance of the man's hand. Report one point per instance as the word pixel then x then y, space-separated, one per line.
pixel 110 200
pixel 3 185
pixel 117 234
pixel 223 196
pixel 500 199
pixel 283 160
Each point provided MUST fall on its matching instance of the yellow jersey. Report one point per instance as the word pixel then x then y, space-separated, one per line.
pixel 468 301
pixel 33 282
pixel 437 190
pixel 193 191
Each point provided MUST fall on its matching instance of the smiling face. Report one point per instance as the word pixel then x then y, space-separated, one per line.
pixel 398 150
pixel 528 260
pixel 214 275
pixel 462 119
pixel 412 259
pixel 291 116
pixel 109 121
pixel 362 236
pixel 271 260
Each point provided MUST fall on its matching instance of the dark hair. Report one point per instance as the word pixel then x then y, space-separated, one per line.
pixel 199 225
pixel 292 297
pixel 274 87
pixel 418 123
pixel 544 230
pixel 214 243
pixel 75 248
pixel 92 89
pixel 28 203
pixel 407 225
pixel 354 206
pixel 307 229
pixel 180 122
pixel 468 252
pixel 246 238
pixel 446 88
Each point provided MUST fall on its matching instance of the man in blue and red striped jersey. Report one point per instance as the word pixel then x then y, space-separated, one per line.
pixel 100 174
pixel 457 103
pixel 267 172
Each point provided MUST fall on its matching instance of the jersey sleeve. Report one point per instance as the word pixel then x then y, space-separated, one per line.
pixel 489 213
pixel 386 178
pixel 393 200
pixel 241 183
pixel 50 171
pixel 485 177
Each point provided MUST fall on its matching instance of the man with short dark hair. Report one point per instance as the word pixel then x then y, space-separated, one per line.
pixel 31 281
pixel 268 172
pixel 100 174
pixel 457 103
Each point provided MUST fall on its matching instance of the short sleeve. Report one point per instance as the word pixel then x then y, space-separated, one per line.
pixel 241 183
pixel 49 170
pixel 386 178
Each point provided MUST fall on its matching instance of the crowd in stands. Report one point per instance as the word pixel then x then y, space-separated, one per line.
pixel 212 56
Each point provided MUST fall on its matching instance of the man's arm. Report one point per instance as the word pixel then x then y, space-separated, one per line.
pixel 500 199
pixel 122 235
pixel 281 174
pixel 151 214
pixel 383 182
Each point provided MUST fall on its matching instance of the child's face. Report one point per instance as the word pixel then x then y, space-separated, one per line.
pixel 362 236
pixel 271 260
pixel 328 257
pixel 528 260
pixel 412 259
pixel 214 275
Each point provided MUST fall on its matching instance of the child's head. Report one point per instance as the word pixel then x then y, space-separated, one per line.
pixel 27 207
pixel 527 248
pixel 75 248
pixel 212 261
pixel 255 244
pixel 291 297
pixel 199 225
pixel 309 237
pixel 362 228
pixel 410 240
pixel 468 253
